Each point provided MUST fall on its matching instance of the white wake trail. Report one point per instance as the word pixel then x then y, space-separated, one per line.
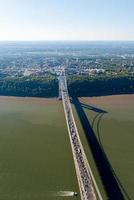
pixel 65 194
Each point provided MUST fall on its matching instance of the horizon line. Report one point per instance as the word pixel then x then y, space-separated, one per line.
pixel 1 41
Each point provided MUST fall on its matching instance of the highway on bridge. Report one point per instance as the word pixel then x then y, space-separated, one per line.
pixel 85 177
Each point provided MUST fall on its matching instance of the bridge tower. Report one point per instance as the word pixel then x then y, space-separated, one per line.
pixel 60 95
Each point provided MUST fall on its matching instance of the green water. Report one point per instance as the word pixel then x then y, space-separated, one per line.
pixel 116 135
pixel 35 155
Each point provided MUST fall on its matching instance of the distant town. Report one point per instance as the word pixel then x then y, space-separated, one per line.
pixel 32 69
pixel 17 61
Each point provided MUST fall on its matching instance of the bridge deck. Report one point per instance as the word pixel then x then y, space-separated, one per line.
pixel 84 177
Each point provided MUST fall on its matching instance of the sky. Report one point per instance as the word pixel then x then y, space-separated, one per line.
pixel 66 20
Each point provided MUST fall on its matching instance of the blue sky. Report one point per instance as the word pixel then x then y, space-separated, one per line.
pixel 66 20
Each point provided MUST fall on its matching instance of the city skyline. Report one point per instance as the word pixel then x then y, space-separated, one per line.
pixel 58 20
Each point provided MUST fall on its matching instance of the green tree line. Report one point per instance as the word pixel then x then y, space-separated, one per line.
pixel 32 86
pixel 77 85
pixel 98 86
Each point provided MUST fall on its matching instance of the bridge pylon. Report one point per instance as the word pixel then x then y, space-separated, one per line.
pixel 60 94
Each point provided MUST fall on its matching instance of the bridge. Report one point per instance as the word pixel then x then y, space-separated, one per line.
pixel 87 185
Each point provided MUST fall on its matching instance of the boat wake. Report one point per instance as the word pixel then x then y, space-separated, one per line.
pixel 65 193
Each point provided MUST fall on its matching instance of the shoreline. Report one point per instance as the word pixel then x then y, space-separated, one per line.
pixel 56 98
